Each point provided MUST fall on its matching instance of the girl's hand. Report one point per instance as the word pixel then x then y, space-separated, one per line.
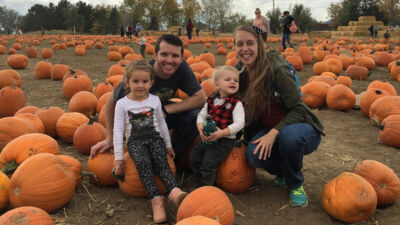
pixel 119 166
pixel 265 144
pixel 171 152
pixel 217 135
pixel 200 128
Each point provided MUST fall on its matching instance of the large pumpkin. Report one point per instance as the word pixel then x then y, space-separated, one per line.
pixel 58 71
pixel 383 86
pixel 102 165
pixel 74 165
pixel 27 215
pixel 17 61
pixel 25 146
pixel 10 77
pixel 369 96
pixel 11 127
pixel 11 100
pixel 132 185
pixel 234 174
pixel 43 70
pixel 76 84
pixel 27 109
pixel 314 94
pixel 207 201
pixel 382 178
pixel 349 198
pixel 340 97
pixel 87 135
pixel 384 107
pixel 198 220
pixel 84 102
pixel 43 181
pixel 32 119
pixel 356 72
pixel 68 123
pixel 102 88
pixel 390 131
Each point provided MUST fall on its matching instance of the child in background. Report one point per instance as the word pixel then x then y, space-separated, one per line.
pixel 142 43
pixel 226 109
pixel 140 116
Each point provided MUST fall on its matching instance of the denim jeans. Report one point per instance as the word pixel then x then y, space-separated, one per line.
pixel 189 34
pixel 185 122
pixel 292 143
pixel 285 37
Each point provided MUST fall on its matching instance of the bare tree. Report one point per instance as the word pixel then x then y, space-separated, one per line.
pixel 223 9
pixel 208 13
pixel 190 9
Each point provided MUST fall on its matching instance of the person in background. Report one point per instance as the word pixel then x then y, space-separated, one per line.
pixel 376 30
pixel 122 31
pixel 371 31
pixel 263 23
pixel 197 31
pixel 189 29
pixel 286 21
pixel 139 28
pixel 142 43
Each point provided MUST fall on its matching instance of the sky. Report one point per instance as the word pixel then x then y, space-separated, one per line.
pixel 318 7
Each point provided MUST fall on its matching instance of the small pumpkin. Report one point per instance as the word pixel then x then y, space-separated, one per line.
pixel 10 77
pixel 49 117
pixel 84 102
pixel 345 80
pixel 340 97
pixel 76 84
pixel 369 96
pixel 102 88
pixel 43 70
pixel 384 107
pixel 314 94
pixel 47 53
pixel 32 119
pixel 75 166
pixel 68 123
pixel 27 215
pixel 87 135
pixel 58 71
pixel 11 100
pixel 102 165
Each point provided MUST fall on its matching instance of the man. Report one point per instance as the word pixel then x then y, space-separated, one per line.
pixel 263 23
pixel 286 21
pixel 172 72
pixel 189 29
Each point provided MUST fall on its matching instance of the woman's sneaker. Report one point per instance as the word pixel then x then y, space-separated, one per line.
pixel 298 197
pixel 280 181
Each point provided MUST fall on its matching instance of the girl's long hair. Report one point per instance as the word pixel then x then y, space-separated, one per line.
pixel 258 75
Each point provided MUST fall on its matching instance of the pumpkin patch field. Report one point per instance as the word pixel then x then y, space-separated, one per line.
pixel 53 88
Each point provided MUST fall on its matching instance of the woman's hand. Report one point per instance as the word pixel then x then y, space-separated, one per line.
pixel 265 144
pixel 171 152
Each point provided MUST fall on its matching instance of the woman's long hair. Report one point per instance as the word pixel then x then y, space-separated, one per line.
pixel 258 75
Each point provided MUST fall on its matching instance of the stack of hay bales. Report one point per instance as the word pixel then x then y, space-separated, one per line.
pixel 359 28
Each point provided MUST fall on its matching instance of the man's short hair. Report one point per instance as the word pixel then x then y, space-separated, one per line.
pixel 285 12
pixel 258 9
pixel 170 39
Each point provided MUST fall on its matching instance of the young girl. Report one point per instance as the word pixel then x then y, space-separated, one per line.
pixel 142 43
pixel 140 115
pixel 226 109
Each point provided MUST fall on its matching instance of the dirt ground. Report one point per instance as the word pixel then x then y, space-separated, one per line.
pixel 350 138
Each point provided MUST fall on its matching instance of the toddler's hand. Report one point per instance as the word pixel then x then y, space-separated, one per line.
pixel 200 128
pixel 216 135
pixel 119 166
pixel 171 152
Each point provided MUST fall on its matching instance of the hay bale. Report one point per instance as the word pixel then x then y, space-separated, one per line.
pixel 360 28
pixel 366 18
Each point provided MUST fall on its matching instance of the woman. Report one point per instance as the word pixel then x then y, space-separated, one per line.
pixel 279 128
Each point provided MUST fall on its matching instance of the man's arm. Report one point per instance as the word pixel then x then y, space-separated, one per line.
pixel 197 100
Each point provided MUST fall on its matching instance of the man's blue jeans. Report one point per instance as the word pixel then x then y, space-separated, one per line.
pixel 285 38
pixel 292 143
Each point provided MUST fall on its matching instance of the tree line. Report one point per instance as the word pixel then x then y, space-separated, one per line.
pixel 161 14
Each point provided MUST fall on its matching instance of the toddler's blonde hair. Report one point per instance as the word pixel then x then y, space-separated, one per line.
pixel 219 70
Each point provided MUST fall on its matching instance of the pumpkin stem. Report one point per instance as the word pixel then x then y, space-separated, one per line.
pixel 91 119
pixel 397 63
pixel 380 126
pixel 10 167
pixel 89 174
pixel 71 71
pixel 378 91
pixel 205 50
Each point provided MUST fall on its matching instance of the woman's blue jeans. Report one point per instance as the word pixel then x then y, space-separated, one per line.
pixel 285 38
pixel 292 143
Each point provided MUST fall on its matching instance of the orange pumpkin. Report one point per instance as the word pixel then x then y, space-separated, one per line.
pixel 365 62
pixel 369 96
pixel 132 185
pixel 47 53
pixel 384 107
pixel 340 97
pixel 84 102
pixel 209 58
pixel 68 123
pixel 76 84
pixel 58 71
pixel 200 67
pixel 116 70
pixel 335 65
pixel 30 52
pixel 207 201
pixel 27 215
pixel 43 181
pixel 102 101
pixel 384 58
pixel 296 62
pixel 88 134
pixel 11 100
pixel 386 86
pixel 208 87
pixel 395 70
pixel 102 165
pixel 382 178
pixel 102 88
pixel 49 117
pixel 17 61
pixel 25 146
pixel 9 77
pixel 235 175
pixel 27 109
pixel 344 80
pixel 314 94
pixel 305 54
pixel 320 67
pixel 349 198
pixel 4 187
pixel 43 70
pixel 114 56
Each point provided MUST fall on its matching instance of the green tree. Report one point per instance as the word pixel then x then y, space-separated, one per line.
pixel 61 14
pixel 235 20
pixel 208 13
pixel 274 20
pixel 75 20
pixel 36 18
pixel 171 13
pixel 133 11
pixel 100 20
pixel 303 18
pixel 153 13
pixel 8 19
pixel 113 21
pixel 86 10
pixel 223 8
pixel 190 9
